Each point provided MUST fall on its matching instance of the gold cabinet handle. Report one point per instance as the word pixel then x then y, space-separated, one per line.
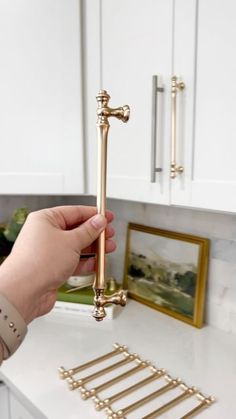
pixel 104 112
pixel 175 87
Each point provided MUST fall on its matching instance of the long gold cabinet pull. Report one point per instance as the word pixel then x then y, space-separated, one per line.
pixel 104 112
pixel 175 87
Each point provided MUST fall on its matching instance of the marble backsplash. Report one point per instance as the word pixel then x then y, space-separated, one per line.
pixel 219 228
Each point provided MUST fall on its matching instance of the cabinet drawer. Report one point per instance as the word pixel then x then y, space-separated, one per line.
pixel 18 411
pixel 4 406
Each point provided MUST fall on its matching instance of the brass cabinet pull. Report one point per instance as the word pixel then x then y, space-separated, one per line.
pixel 118 349
pixel 73 384
pixel 175 87
pixel 104 112
pixel 121 413
pixel 205 402
pixel 155 90
pixel 187 392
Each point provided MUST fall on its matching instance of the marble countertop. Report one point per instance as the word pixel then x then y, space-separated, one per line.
pixel 205 358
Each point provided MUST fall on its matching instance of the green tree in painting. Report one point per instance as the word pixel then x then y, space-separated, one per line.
pixel 186 282
pixel 134 271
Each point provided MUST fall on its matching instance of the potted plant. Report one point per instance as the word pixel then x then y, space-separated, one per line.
pixel 10 231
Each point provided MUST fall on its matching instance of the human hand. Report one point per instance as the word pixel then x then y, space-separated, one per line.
pixel 47 251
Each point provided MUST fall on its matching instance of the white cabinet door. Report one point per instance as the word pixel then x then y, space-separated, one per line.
pixel 18 410
pixel 4 402
pixel 41 133
pixel 133 43
pixel 209 180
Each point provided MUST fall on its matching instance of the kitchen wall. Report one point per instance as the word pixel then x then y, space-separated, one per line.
pixel 218 227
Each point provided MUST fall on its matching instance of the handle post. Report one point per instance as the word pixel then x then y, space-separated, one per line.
pixel 175 87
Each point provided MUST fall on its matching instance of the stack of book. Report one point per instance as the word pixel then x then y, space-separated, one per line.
pixel 80 302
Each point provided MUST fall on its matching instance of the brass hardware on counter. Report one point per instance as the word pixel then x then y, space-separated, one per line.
pixel 120 414
pixel 155 374
pixel 103 113
pixel 73 384
pixel 175 87
pixel 187 392
pixel 85 394
pixel 100 404
pixel 205 402
pixel 68 373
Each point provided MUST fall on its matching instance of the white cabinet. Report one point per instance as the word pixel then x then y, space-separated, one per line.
pixel 4 401
pixel 209 136
pixel 17 409
pixel 127 42
pixel 41 131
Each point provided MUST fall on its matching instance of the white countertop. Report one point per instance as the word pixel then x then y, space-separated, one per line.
pixel 205 358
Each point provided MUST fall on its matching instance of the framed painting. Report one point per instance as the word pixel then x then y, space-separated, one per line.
pixel 167 271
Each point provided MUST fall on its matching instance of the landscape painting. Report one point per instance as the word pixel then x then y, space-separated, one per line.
pixel 167 271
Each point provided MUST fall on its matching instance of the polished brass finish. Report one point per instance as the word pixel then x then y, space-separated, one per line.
pixel 68 373
pixel 100 404
pixel 112 284
pixel 85 394
pixel 205 402
pixel 100 300
pixel 73 384
pixel 187 392
pixel 154 374
pixel 103 113
pixel 121 414
pixel 175 87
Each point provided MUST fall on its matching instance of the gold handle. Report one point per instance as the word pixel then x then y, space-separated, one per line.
pixel 175 87
pixel 100 404
pixel 187 392
pixel 121 414
pixel 205 402
pixel 118 349
pixel 85 393
pixel 103 113
pixel 73 384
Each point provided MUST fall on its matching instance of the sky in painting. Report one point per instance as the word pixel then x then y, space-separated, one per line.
pixel 177 251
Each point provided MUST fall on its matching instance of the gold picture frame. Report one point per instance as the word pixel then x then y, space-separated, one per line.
pixel 167 271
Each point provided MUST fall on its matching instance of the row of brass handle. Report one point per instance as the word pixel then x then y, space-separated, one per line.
pixel 153 373
pixel 176 86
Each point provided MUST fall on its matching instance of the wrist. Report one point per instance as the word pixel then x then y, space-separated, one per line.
pixel 4 353
pixel 12 327
pixel 17 289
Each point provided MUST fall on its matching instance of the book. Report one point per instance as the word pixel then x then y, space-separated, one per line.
pixel 81 309
pixel 83 296
pixel 80 301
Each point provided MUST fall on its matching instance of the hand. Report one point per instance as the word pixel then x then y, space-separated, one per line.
pixel 47 251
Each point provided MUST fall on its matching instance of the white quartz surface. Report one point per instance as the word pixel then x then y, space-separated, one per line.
pixel 203 357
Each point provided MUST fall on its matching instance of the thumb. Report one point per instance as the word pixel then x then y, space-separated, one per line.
pixel 89 231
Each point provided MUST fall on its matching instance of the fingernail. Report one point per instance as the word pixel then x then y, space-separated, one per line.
pixel 98 221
